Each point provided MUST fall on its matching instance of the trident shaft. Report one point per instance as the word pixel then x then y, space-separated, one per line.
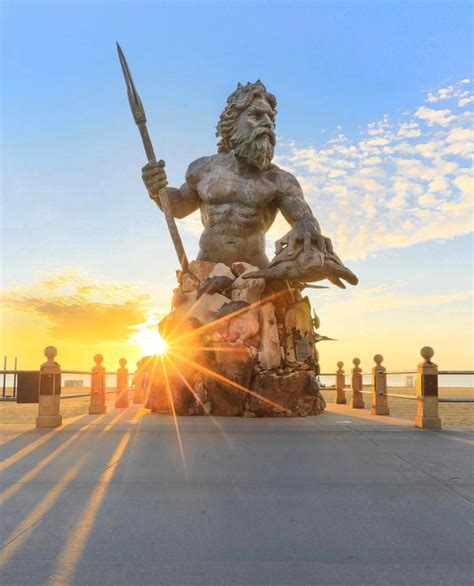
pixel 140 119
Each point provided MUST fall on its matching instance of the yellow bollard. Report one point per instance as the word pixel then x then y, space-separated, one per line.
pixel 340 385
pixel 357 385
pixel 138 381
pixel 49 391
pixel 427 392
pixel 122 385
pixel 379 387
pixel 97 404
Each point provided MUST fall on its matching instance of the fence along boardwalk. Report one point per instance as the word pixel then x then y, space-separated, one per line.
pixel 423 404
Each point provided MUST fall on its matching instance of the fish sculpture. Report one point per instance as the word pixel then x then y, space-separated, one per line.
pixel 300 262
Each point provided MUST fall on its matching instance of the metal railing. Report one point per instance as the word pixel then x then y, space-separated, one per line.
pixel 5 373
pixel 427 375
pixel 426 394
pixel 440 399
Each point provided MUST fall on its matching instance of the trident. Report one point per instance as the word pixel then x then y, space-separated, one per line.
pixel 140 119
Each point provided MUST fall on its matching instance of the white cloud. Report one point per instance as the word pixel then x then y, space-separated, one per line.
pixel 465 101
pixel 432 116
pixel 409 130
pixel 454 91
pixel 403 182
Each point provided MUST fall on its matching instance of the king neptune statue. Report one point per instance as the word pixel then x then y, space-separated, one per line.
pixel 239 191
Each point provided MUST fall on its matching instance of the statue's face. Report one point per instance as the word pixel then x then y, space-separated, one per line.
pixel 258 115
pixel 254 136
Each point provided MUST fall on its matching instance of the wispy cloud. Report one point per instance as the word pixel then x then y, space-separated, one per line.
pixel 403 182
pixel 388 297
pixel 80 307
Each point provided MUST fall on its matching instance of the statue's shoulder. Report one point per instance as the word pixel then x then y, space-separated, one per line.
pixel 201 166
pixel 283 179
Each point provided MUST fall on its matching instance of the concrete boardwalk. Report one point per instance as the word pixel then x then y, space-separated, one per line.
pixel 343 498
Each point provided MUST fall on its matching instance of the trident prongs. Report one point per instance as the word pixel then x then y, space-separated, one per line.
pixel 135 103
pixel 140 119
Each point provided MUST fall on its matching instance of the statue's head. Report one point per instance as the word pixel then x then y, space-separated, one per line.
pixel 246 126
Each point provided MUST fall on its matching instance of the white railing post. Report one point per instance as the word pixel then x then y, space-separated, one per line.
pixel 357 385
pixel 49 399
pixel 97 405
pixel 379 387
pixel 340 385
pixel 427 392
pixel 122 385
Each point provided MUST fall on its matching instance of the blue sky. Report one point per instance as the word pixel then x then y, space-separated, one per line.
pixel 72 194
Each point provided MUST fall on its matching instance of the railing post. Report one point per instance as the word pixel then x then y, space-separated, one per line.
pixel 427 392
pixel 357 385
pixel 138 379
pixel 340 385
pixel 49 399
pixel 122 385
pixel 97 404
pixel 379 387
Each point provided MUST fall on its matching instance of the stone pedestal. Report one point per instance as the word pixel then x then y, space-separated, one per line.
pixel 285 394
pixel 237 347
pixel 226 390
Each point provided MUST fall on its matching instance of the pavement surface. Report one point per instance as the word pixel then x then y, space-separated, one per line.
pixel 342 498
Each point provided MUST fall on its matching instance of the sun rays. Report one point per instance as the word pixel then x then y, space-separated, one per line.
pixel 179 356
pixel 186 346
pixel 150 340
pixel 189 349
pixel 22 531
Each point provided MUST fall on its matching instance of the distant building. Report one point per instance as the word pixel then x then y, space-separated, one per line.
pixel 73 383
pixel 410 380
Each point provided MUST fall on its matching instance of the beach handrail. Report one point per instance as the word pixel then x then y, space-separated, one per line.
pixel 77 396
pixel 401 396
pixel 455 372
pixel 455 399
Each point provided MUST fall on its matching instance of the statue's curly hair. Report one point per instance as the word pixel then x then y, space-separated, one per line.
pixel 237 102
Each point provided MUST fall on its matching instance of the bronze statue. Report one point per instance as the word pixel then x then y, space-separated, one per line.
pixel 239 192
pixel 240 332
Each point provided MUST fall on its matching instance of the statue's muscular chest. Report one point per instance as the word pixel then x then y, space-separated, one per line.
pixel 225 186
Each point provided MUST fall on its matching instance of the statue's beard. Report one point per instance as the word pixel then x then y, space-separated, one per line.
pixel 256 149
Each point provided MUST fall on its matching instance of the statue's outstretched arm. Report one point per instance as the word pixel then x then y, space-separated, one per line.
pixel 303 254
pixel 298 214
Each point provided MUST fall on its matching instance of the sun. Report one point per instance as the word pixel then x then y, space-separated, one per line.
pixel 150 341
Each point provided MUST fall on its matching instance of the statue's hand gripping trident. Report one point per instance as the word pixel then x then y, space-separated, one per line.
pixel 159 184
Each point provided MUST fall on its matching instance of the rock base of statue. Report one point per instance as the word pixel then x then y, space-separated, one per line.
pixel 236 347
